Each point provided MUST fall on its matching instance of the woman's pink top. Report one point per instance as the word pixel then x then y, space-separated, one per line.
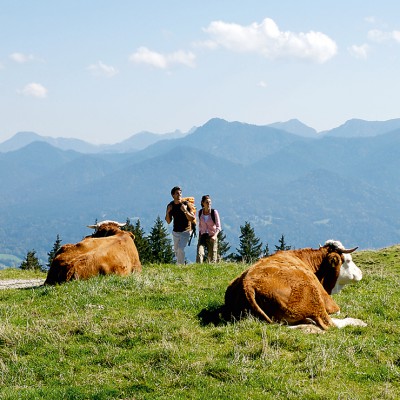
pixel 207 225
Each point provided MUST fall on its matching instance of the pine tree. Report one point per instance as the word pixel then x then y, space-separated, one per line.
pixel 31 262
pixel 282 244
pixel 223 246
pixel 266 250
pixel 141 241
pixel 250 245
pixel 160 244
pixel 128 226
pixel 52 253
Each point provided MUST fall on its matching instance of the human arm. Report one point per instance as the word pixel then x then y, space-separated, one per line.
pixel 217 224
pixel 168 218
pixel 186 209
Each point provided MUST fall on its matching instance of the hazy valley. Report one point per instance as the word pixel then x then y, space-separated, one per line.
pixel 284 178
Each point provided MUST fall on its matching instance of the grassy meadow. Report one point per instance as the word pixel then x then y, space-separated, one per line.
pixel 147 337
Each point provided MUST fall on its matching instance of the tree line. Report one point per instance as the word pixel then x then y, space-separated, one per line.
pixel 157 246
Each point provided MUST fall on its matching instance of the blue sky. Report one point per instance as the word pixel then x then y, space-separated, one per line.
pixel 103 70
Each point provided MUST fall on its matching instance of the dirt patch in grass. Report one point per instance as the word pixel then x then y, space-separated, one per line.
pixel 20 283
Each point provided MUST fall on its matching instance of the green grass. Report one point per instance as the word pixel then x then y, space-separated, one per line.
pixel 141 337
pixel 17 273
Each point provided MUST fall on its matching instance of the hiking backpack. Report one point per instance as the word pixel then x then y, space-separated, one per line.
pixel 193 209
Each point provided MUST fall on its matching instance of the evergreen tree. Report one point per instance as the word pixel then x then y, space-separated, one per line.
pixel 128 226
pixel 266 250
pixel 141 241
pixel 161 249
pixel 31 262
pixel 52 253
pixel 282 244
pixel 250 245
pixel 223 246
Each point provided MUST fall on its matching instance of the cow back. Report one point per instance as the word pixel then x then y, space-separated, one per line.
pixel 116 254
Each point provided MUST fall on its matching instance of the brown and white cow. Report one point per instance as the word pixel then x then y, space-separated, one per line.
pixel 292 287
pixel 109 250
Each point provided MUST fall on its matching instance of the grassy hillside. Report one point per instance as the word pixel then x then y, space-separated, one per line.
pixel 141 337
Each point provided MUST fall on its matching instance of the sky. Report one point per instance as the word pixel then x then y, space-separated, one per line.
pixel 102 71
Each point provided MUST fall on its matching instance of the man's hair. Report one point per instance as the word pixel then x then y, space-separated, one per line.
pixel 174 189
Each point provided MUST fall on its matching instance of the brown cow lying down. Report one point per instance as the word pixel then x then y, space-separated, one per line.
pixel 108 251
pixel 291 287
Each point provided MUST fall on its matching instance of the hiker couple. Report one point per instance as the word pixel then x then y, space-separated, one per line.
pixel 183 213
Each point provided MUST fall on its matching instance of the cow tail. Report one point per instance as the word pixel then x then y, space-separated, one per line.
pixel 251 298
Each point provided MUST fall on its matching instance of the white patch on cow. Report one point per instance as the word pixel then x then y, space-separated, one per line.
pixel 341 323
pixel 107 221
pixel 335 243
pixel 349 272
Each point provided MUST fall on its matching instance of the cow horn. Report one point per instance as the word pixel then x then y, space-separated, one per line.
pixel 347 251
pixel 92 226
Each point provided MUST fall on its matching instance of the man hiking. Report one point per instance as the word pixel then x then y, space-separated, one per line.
pixel 182 214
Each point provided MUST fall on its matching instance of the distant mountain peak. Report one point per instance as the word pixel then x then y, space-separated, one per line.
pixel 296 127
pixel 22 139
pixel 361 128
pixel 27 135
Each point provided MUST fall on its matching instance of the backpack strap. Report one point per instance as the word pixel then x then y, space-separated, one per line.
pixel 212 214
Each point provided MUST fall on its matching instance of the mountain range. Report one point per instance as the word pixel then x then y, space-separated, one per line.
pixel 284 178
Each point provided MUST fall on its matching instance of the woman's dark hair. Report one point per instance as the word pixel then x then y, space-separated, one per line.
pixel 204 198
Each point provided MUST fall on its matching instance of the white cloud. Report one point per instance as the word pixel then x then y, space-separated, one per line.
pixel 266 39
pixel 378 36
pixel 359 51
pixel 262 84
pixel 181 57
pixel 21 58
pixel 101 69
pixel 396 36
pixel 145 56
pixel 34 90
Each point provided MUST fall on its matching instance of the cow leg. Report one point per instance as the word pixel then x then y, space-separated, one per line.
pixel 307 302
pixel 331 306
pixel 71 275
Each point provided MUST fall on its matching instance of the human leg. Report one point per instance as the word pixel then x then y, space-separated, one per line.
pixel 181 239
pixel 212 248
pixel 200 253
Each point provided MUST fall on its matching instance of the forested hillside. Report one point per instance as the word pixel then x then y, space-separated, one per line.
pixel 309 189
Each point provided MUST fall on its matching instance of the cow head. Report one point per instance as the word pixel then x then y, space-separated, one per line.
pixel 106 228
pixel 349 272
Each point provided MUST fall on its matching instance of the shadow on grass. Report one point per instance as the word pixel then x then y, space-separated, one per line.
pixel 213 315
